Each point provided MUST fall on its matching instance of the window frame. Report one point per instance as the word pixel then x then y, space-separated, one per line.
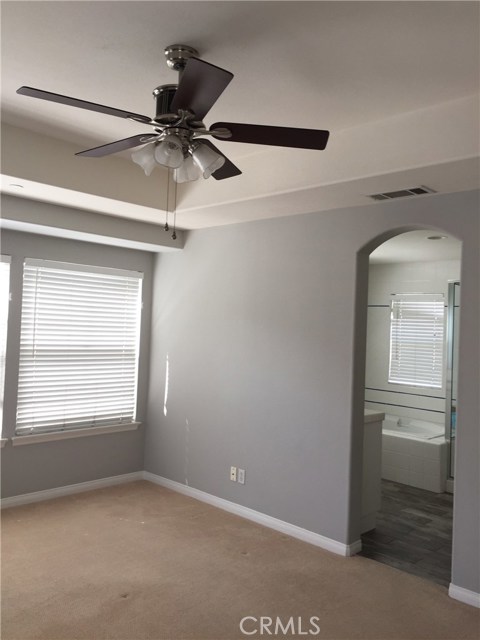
pixel 130 280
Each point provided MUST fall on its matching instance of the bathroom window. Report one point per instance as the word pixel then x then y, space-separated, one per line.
pixel 417 340
pixel 78 347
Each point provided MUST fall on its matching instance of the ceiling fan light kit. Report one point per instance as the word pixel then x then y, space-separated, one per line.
pixel 169 152
pixel 206 159
pixel 145 158
pixel 187 172
pixel 178 123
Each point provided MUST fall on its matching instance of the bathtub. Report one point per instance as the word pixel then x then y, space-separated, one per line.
pixel 406 428
pixel 414 452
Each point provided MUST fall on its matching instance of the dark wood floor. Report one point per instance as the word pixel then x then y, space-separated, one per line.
pixel 413 532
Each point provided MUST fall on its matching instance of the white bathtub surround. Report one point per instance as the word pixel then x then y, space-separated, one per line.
pixel 413 428
pixel 414 453
pixel 372 469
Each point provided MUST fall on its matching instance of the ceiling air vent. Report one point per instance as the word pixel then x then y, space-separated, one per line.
pixel 403 193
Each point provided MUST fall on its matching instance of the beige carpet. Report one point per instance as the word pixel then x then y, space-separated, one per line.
pixel 140 562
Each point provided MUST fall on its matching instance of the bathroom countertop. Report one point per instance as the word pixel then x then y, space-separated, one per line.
pixel 371 415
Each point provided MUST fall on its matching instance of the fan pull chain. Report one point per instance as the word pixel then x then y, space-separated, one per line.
pixel 166 227
pixel 174 234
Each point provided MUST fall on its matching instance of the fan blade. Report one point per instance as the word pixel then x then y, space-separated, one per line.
pixel 119 145
pixel 277 136
pixel 200 87
pixel 82 104
pixel 228 170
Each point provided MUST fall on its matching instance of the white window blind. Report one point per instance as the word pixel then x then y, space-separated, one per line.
pixel 4 305
pixel 78 347
pixel 417 340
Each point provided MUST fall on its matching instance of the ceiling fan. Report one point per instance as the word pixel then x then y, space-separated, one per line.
pixel 178 137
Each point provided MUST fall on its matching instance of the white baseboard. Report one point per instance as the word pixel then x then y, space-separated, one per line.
pixel 58 492
pixel 464 595
pixel 256 516
pixel 250 514
pixel 450 485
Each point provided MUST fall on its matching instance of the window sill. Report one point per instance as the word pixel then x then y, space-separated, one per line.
pixel 74 433
pixel 3 442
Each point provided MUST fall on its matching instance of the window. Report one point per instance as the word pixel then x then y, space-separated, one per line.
pixel 78 347
pixel 417 340
pixel 4 304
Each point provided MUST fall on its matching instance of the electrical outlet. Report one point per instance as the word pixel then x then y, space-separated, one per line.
pixel 233 474
pixel 241 476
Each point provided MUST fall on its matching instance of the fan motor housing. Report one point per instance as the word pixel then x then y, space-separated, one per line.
pixel 164 95
pixel 177 56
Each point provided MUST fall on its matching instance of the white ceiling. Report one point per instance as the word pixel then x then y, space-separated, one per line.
pixel 392 81
pixel 415 246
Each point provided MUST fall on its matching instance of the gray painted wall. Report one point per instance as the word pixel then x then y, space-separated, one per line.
pixel 264 327
pixel 39 466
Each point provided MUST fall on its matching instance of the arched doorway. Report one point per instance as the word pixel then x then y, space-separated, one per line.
pixel 411 329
